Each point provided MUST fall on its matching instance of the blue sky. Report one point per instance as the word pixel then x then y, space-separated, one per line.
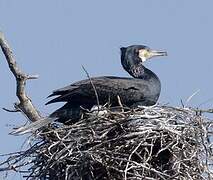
pixel 55 38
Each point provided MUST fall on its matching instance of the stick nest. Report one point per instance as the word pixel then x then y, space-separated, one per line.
pixel 158 142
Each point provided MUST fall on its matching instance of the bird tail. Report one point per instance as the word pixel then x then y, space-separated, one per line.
pixel 32 127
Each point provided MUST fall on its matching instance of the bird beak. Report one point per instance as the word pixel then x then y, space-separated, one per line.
pixel 145 54
pixel 154 53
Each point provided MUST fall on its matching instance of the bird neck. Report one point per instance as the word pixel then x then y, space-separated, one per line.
pixel 139 71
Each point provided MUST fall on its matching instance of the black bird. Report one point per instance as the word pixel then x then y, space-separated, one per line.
pixel 143 89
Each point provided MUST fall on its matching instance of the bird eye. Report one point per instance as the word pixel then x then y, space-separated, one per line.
pixel 136 52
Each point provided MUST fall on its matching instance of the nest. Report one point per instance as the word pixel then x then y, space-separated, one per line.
pixel 158 142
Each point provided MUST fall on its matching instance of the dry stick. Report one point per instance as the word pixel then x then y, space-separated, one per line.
pixel 93 86
pixel 120 104
pixel 25 104
pixel 130 156
pixel 11 110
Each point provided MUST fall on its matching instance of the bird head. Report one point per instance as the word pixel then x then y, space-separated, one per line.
pixel 137 54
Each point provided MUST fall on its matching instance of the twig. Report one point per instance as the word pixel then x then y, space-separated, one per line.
pixel 120 103
pixel 181 101
pixel 11 110
pixel 190 97
pixel 130 156
pixel 205 110
pixel 25 104
pixel 93 86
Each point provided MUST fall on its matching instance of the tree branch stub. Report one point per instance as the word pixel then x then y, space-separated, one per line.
pixel 25 104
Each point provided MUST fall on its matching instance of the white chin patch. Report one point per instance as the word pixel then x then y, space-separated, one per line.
pixel 143 59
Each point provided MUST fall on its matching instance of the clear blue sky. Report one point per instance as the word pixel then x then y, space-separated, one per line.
pixel 54 38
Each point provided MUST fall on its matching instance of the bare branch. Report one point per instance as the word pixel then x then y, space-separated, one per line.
pixel 25 104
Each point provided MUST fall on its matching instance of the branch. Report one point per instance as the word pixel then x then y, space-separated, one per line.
pixel 25 104
pixel 11 110
pixel 93 86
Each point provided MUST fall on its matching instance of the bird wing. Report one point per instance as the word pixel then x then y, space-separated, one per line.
pixel 106 86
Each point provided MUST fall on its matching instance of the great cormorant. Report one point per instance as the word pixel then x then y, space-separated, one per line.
pixel 144 88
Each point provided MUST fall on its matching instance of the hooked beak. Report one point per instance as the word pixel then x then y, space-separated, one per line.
pixel 154 53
